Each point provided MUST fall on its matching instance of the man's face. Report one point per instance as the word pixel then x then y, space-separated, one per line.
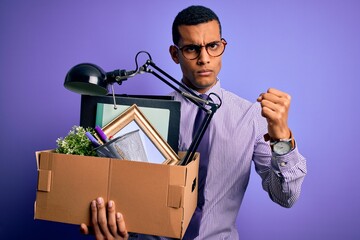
pixel 200 73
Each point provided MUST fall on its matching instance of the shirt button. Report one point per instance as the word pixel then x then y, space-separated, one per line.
pixel 283 164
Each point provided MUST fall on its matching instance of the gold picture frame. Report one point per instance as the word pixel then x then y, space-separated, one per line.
pixel 133 113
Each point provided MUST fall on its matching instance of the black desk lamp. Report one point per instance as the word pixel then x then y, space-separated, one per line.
pixel 90 79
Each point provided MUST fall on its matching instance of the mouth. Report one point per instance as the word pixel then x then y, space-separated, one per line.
pixel 204 72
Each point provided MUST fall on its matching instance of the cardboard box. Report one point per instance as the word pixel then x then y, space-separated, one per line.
pixel 155 199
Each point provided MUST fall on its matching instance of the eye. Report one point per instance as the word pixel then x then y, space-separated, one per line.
pixel 191 48
pixel 213 45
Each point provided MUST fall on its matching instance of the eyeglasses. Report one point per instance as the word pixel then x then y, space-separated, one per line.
pixel 214 49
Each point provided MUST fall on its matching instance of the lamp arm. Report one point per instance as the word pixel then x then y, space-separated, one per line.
pixel 191 96
pixel 151 63
pixel 199 135
pixel 188 94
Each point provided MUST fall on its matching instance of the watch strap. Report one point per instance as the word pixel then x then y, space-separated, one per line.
pixel 267 137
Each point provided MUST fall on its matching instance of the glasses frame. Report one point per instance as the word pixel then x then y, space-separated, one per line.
pixel 199 48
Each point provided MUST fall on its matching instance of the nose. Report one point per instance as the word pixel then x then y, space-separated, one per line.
pixel 204 57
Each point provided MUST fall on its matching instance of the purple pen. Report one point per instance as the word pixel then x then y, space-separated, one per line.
pixel 101 134
pixel 94 142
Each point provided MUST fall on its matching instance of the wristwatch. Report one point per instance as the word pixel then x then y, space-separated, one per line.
pixel 281 146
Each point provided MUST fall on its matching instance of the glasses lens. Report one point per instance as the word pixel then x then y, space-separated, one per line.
pixel 191 51
pixel 215 49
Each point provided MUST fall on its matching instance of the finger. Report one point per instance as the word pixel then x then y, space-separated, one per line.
pixel 274 112
pixel 259 99
pixel 277 123
pixel 272 98
pixel 269 97
pixel 279 93
pixel 111 218
pixel 84 229
pixel 121 225
pixel 269 104
pixel 276 103
pixel 275 96
pixel 94 220
pixel 101 218
pixel 269 114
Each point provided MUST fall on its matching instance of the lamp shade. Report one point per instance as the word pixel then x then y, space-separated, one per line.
pixel 87 79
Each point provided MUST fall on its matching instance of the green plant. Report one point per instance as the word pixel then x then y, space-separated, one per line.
pixel 76 142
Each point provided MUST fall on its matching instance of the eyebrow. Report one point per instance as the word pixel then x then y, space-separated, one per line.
pixel 194 44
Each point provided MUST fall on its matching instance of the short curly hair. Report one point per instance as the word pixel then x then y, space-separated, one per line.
pixel 192 15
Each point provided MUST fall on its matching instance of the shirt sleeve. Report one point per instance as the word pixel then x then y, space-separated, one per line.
pixel 282 176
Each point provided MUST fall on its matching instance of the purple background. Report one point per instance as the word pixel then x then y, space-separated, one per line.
pixel 309 48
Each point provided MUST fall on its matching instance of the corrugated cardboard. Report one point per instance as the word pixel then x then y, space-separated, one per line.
pixel 155 199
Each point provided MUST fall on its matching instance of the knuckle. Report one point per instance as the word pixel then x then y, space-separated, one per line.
pixel 111 225
pixel 282 110
pixel 110 210
pixel 287 105
pixel 102 222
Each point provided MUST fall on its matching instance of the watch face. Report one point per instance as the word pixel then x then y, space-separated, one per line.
pixel 282 148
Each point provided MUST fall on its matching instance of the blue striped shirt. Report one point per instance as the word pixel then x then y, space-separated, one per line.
pixel 236 140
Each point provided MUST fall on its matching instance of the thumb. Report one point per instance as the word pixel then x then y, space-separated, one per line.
pixel 84 229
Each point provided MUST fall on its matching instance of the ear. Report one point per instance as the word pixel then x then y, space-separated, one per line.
pixel 174 54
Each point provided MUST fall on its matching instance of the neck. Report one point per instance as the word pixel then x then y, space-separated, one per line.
pixel 201 90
